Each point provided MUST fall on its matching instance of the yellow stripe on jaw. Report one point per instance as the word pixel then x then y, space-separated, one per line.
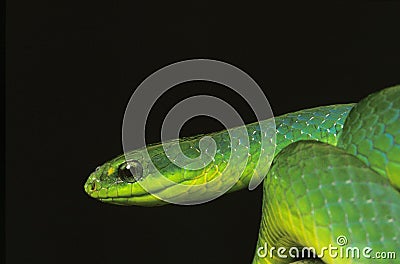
pixel 110 171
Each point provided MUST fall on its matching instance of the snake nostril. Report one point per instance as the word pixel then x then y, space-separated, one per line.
pixel 93 186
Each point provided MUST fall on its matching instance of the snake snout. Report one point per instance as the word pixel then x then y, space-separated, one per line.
pixel 91 185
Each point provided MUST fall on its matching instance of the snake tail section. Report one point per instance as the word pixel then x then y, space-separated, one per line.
pixel 315 193
pixel 372 133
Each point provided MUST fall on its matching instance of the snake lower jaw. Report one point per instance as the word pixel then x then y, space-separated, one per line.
pixel 143 201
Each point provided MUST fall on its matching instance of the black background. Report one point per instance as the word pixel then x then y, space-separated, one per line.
pixel 72 67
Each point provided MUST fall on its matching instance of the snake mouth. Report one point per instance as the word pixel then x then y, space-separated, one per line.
pixel 122 193
pixel 103 196
pixel 144 200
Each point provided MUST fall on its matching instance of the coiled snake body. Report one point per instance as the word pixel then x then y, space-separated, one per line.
pixel 335 175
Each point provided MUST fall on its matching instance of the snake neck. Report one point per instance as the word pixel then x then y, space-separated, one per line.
pixel 323 124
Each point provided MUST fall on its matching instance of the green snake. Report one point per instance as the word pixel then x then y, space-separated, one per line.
pixel 335 173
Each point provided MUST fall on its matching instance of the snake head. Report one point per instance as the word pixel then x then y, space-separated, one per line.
pixel 118 181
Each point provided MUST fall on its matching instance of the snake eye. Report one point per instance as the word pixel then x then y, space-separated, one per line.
pixel 131 171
